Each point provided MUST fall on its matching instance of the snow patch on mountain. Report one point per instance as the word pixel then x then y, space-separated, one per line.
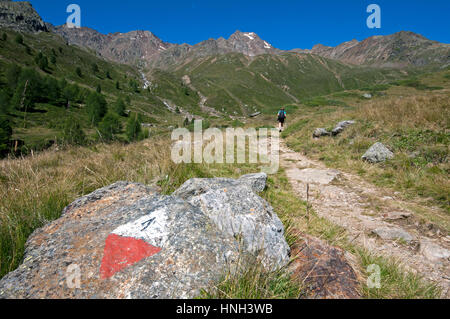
pixel 250 35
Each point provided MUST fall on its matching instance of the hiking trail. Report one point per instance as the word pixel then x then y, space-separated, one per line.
pixel 364 209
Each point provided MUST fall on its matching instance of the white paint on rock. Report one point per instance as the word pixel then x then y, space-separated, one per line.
pixel 151 228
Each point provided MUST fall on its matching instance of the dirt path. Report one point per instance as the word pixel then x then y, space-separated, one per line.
pixel 361 208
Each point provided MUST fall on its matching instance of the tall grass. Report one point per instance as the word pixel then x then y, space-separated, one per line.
pixel 430 112
pixel 254 282
pixel 395 282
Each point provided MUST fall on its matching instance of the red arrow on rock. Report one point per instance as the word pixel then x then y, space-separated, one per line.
pixel 121 252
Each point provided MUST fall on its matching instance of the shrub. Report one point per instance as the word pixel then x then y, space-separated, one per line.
pixel 110 126
pixel 134 127
pixel 19 39
pixel 119 107
pixel 5 135
pixel 94 68
pixel 41 61
pixel 96 107
pixel 73 134
pixel 78 72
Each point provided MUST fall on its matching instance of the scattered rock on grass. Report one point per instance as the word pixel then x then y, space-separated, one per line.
pixel 319 132
pixel 341 127
pixel 377 153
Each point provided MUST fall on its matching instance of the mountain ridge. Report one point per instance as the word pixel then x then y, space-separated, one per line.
pixel 401 49
pixel 143 48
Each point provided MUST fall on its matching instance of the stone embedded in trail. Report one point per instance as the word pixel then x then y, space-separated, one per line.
pixel 255 114
pixel 313 175
pixel 396 215
pixel 238 211
pixel 434 252
pixel 377 153
pixel 125 241
pixel 393 233
pixel 324 270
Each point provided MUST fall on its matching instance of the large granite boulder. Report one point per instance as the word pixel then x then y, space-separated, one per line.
pixel 128 241
pixel 237 210
pixel 123 241
pixel 377 153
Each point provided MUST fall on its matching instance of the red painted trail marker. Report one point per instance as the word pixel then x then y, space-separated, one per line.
pixel 121 252
pixel 134 241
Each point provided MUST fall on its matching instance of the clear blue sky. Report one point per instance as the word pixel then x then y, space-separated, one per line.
pixel 285 24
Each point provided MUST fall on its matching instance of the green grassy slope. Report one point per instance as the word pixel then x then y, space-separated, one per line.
pixel 43 126
pixel 236 84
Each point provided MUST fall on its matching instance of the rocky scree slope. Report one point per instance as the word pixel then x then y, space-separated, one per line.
pixel 20 16
pixel 397 50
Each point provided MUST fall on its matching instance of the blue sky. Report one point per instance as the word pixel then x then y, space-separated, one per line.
pixel 285 24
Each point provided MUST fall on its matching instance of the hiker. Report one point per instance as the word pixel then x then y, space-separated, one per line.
pixel 281 118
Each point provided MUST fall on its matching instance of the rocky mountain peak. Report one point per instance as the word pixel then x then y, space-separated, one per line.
pixel 130 47
pixel 398 49
pixel 20 16
pixel 249 43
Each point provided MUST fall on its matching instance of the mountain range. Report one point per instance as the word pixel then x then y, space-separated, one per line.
pixel 397 50
pixel 143 47
pixel 243 74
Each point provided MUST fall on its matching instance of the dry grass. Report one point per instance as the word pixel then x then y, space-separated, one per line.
pixel 424 112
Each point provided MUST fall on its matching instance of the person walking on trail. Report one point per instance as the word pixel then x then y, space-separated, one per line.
pixel 281 118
